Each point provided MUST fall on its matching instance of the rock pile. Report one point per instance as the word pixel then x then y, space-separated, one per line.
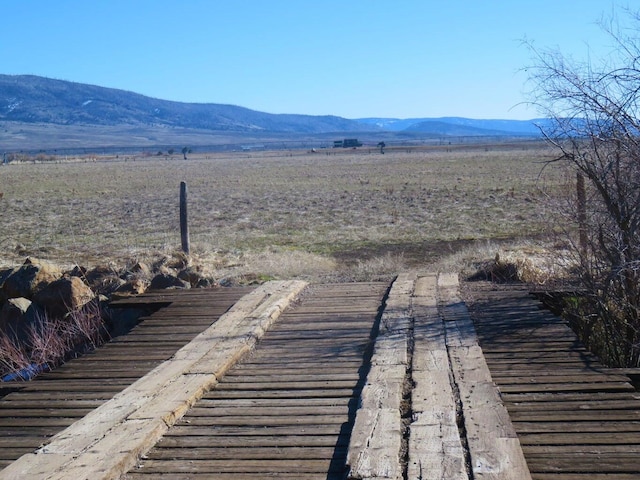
pixel 38 287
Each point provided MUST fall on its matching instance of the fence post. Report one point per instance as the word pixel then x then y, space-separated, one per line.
pixel 184 224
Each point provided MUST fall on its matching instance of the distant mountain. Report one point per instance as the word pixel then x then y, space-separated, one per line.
pixel 458 126
pixel 33 99
pixel 38 113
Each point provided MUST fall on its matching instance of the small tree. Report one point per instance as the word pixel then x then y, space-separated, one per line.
pixel 185 150
pixel 595 125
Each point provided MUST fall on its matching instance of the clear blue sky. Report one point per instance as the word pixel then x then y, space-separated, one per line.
pixel 352 58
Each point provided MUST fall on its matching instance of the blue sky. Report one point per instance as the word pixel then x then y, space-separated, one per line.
pixel 352 58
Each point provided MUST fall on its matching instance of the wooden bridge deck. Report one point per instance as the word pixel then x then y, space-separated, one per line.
pixel 288 409
pixel 35 411
pixel 440 393
pixel 575 418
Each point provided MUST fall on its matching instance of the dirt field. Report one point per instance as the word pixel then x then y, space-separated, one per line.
pixel 288 213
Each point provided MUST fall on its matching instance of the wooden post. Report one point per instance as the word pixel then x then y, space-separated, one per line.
pixel 184 224
pixel 582 211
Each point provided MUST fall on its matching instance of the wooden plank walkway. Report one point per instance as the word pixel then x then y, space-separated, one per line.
pixel 365 381
pixel 575 418
pixel 287 410
pixel 37 410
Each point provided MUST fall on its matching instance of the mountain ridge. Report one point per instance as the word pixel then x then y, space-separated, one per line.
pixel 467 125
pixel 40 112
pixel 33 99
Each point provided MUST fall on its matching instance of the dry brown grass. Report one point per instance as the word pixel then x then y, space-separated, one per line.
pixel 328 215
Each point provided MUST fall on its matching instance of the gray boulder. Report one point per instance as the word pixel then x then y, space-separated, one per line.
pixel 164 280
pixel 32 276
pixel 4 274
pixel 17 315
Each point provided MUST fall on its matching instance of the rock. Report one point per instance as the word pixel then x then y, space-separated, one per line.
pixel 16 316
pixel 12 311
pixel 136 279
pixel 141 269
pixel 164 281
pixel 135 286
pixel 97 274
pixel 103 280
pixel 206 282
pixel 195 277
pixel 64 295
pixel 179 261
pixel 31 277
pixel 191 274
pixel 4 274
pixel 163 269
pixel 78 271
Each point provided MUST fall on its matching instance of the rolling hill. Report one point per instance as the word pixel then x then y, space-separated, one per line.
pixel 43 113
pixel 33 99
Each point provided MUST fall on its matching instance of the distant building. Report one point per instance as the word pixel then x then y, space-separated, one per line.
pixel 249 148
pixel 347 143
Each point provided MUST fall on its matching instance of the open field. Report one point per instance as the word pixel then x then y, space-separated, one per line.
pixel 326 213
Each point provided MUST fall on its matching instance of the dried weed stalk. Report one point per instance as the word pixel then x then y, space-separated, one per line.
pixel 49 341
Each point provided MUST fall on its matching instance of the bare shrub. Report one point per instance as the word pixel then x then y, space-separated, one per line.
pixel 46 342
pixel 13 355
pixel 595 112
pixel 87 326
pixel 51 340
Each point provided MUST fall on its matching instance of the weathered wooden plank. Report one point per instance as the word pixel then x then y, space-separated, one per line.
pixel 276 420
pixel 560 378
pixel 493 444
pixel 376 439
pixel 435 444
pixel 239 453
pixel 277 393
pixel 557 423
pixel 435 449
pixel 267 411
pixel 219 476
pixel 280 437
pixel 586 397
pixel 292 376
pixel 633 450
pixel 208 402
pixel 567 387
pixel 589 405
pixel 586 464
pixel 302 466
pixel 374 449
